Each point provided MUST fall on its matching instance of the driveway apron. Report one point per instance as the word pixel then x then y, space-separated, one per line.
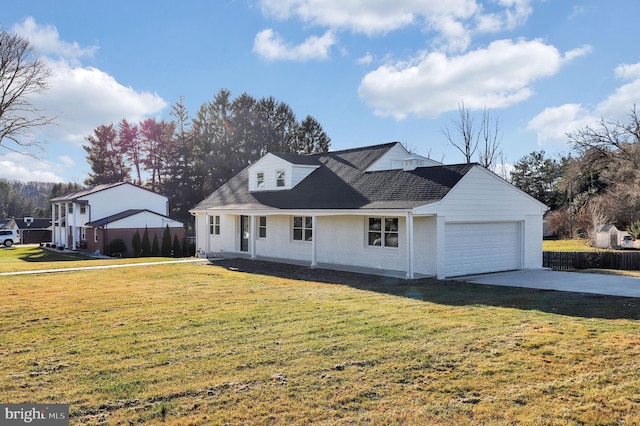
pixel 545 279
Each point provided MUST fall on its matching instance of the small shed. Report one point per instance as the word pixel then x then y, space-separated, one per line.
pixel 605 236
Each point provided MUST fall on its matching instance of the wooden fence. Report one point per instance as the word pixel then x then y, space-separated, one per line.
pixel 566 261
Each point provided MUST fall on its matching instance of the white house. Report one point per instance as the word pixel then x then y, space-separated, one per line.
pixel 92 218
pixel 376 209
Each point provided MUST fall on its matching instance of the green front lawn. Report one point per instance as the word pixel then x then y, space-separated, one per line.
pixel 244 342
pixel 30 257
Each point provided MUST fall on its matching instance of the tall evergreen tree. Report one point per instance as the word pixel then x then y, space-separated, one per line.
pixel 155 246
pixel 129 139
pixel 106 157
pixel 146 243
pixel 166 242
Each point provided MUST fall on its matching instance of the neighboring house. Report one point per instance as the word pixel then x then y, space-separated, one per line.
pixel 92 218
pixel 11 225
pixel 34 230
pixel 606 236
pixel 375 209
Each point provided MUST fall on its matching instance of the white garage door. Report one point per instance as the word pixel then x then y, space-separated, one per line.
pixel 474 248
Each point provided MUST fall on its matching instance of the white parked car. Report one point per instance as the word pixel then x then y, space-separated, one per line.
pixel 9 237
pixel 628 242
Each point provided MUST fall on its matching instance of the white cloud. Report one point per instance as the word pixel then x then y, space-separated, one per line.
pixel 21 167
pixel 496 77
pixel 80 97
pixel 454 21
pixel 576 53
pixel 554 123
pixel 83 98
pixel 47 40
pixel 366 59
pixel 270 45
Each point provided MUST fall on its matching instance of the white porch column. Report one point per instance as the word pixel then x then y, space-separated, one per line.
pixel 252 236
pixel 53 222
pixel 314 241
pixel 410 251
pixel 60 227
pixel 74 228
pixel 440 247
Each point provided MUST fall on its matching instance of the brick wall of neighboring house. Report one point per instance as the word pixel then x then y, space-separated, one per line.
pixel 105 237
pixel 35 236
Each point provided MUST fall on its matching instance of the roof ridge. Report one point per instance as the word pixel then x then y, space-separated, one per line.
pixel 361 148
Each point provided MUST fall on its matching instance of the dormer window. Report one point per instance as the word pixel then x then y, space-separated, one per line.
pixel 280 178
pixel 260 180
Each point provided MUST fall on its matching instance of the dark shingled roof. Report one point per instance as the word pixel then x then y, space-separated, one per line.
pixel 342 183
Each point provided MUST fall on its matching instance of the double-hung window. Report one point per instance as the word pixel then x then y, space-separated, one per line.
pixel 383 232
pixel 280 178
pixel 214 225
pixel 262 227
pixel 302 228
pixel 260 180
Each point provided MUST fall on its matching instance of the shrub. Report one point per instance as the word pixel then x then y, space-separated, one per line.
pixel 634 229
pixel 146 243
pixel 166 242
pixel 116 247
pixel 155 247
pixel 136 244
pixel 176 250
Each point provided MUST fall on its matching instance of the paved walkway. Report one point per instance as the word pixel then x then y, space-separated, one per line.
pixel 545 279
pixel 89 268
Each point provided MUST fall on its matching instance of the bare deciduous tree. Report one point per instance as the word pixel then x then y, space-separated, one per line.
pixel 464 129
pixel 489 148
pixel 22 74
pixel 485 141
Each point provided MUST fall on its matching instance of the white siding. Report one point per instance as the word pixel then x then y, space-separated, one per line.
pixel 229 238
pixel 395 156
pixel 268 165
pixel 279 243
pixel 532 257
pixel 482 196
pixel 124 197
pixel 342 240
pixel 424 243
pixel 143 219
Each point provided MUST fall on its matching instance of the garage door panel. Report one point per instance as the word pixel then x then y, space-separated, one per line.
pixel 472 248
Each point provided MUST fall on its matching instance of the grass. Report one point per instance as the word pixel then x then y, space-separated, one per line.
pixel 244 342
pixel 573 245
pixel 31 257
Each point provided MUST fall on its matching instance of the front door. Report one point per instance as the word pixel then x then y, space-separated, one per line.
pixel 244 233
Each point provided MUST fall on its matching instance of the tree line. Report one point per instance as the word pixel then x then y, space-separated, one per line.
pixel 187 158
pixel 597 184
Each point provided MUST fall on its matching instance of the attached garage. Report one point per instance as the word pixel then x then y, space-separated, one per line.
pixel 474 248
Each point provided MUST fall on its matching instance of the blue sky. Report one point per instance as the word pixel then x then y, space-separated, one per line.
pixel 369 72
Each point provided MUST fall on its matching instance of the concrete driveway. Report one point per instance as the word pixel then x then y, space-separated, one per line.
pixel 546 279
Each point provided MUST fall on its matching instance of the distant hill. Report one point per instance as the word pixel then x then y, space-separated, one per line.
pixel 20 199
